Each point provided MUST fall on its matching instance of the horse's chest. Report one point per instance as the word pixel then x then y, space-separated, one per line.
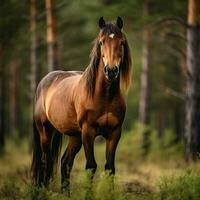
pixel 107 119
pixel 109 115
pixel 106 123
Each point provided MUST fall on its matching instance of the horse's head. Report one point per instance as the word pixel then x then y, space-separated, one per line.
pixel 114 51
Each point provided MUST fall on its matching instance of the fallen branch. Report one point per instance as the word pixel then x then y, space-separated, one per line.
pixel 174 93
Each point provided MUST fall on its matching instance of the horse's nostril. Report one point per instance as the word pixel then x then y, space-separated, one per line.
pixel 106 69
pixel 116 70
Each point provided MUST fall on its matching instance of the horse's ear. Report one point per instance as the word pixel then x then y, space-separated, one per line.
pixel 102 23
pixel 119 22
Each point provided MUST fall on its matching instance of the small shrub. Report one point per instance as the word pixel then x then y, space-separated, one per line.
pixel 185 187
pixel 9 191
pixel 36 193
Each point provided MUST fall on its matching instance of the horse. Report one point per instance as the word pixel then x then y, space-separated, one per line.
pixel 82 105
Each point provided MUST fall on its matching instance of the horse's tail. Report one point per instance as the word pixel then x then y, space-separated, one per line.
pixel 37 163
pixel 56 147
pixel 36 166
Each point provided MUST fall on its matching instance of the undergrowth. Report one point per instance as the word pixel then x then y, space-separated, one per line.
pixel 184 187
pixel 137 178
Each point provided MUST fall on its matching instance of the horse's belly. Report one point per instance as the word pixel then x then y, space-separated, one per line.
pixel 69 128
pixel 64 120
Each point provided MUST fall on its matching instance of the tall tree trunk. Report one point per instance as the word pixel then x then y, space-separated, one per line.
pixel 178 125
pixel 35 61
pixel 2 102
pixel 13 98
pixel 51 37
pixel 145 85
pixel 161 123
pixel 192 123
pixel 145 78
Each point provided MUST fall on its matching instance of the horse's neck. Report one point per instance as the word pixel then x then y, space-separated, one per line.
pixel 104 89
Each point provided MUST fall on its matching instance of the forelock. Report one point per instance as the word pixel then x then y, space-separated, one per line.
pixel 110 29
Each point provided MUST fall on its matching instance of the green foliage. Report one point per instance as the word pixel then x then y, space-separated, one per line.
pixel 160 153
pixel 183 187
pixel 101 189
pixel 9 190
pixel 37 193
pixel 136 178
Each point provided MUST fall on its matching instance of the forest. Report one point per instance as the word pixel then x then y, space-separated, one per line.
pixel 158 154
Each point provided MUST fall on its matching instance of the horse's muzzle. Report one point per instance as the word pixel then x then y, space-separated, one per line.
pixel 111 73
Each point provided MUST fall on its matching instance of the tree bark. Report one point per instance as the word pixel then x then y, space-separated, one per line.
pixel 4 98
pixel 51 37
pixel 145 85
pixel 13 98
pixel 2 103
pixel 161 124
pixel 178 123
pixel 35 61
pixel 192 109
pixel 145 75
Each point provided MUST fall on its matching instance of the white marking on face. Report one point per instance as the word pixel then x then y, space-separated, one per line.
pixel 105 61
pixel 112 35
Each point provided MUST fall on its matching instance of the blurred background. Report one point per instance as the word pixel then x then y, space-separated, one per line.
pixel 162 125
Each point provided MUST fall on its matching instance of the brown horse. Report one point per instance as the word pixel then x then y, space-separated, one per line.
pixel 82 105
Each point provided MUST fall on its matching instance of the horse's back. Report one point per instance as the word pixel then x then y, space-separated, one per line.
pixel 53 78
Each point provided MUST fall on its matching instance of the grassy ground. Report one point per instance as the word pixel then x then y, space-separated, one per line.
pixel 163 174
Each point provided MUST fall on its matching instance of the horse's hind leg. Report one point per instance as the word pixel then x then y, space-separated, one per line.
pixel 67 160
pixel 46 133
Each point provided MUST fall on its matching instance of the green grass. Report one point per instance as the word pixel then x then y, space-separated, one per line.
pixel 163 174
pixel 102 188
pixel 183 187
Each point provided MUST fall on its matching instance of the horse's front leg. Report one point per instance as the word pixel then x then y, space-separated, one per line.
pixel 88 137
pixel 111 145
